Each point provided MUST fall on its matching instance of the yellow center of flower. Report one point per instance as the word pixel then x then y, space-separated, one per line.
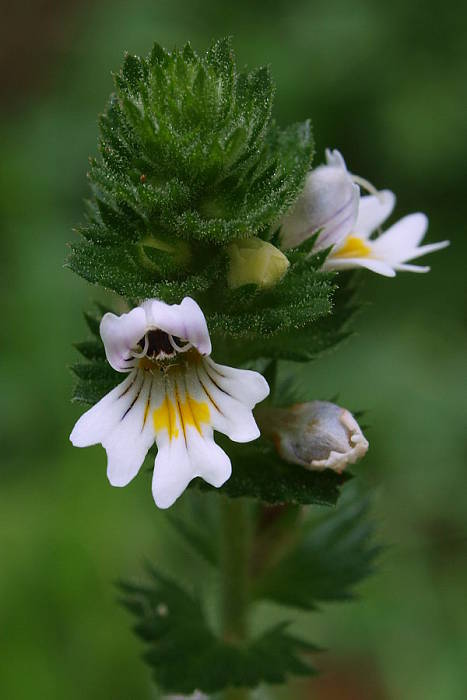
pixel 353 247
pixel 190 412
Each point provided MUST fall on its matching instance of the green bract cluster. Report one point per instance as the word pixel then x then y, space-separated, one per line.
pixel 190 160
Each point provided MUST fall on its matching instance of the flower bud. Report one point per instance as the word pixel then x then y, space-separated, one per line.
pixel 253 261
pixel 328 203
pixel 318 435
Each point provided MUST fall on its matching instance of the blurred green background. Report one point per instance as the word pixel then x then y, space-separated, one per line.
pixel 383 82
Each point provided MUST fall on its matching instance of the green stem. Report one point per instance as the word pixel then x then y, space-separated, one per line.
pixel 235 694
pixel 235 553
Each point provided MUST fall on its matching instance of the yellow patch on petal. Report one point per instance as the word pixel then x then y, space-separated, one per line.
pixel 191 412
pixel 164 418
pixel 353 247
pixel 146 411
pixel 194 412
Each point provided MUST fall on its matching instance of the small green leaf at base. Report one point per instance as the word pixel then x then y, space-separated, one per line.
pixel 185 654
pixel 334 553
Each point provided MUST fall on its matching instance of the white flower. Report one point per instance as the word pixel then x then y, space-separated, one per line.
pixel 174 395
pixel 392 250
pixel 318 434
pixel 328 203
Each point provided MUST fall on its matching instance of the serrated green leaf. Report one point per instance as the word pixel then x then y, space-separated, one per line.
pixel 91 349
pixel 185 655
pixel 95 379
pixel 93 323
pixel 158 55
pixel 334 553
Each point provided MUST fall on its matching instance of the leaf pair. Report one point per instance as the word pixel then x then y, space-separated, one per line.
pixel 185 654
pixel 329 555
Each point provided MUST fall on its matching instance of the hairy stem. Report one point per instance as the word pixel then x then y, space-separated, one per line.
pixel 235 553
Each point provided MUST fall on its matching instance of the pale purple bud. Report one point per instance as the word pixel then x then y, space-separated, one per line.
pixel 317 435
pixel 328 203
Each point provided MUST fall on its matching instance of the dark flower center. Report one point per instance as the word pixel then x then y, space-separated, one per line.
pixel 158 342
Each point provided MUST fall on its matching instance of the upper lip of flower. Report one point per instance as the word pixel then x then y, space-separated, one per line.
pixel 328 203
pixel 174 395
pixel 159 345
pixel 155 330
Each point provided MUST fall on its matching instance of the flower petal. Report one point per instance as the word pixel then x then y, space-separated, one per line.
pixel 401 267
pixel 401 239
pixel 173 472
pixel 329 202
pixel 185 320
pixel 118 422
pixel 209 460
pixel 343 220
pixel 425 249
pixel 378 266
pixel 335 158
pixel 128 444
pixel 120 334
pixel 180 460
pixel 102 418
pixel 373 211
pixel 229 415
pixel 186 448
pixel 246 385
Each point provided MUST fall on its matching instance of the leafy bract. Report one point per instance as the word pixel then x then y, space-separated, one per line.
pixel 186 655
pixel 333 554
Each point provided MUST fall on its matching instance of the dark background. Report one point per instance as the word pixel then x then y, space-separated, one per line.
pixel 383 82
